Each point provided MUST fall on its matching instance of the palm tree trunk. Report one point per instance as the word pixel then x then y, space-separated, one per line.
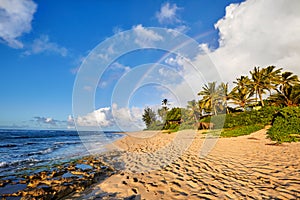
pixel 261 100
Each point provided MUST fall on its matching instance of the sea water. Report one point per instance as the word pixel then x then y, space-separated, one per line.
pixel 24 151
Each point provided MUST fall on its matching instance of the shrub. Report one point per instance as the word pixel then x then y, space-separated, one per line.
pixel 263 116
pixel 286 125
pixel 243 130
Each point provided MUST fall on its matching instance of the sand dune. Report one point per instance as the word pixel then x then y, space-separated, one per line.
pixel 246 167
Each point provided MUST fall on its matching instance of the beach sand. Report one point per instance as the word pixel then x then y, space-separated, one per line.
pixel 245 167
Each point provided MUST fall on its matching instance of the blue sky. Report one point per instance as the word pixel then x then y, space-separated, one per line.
pixel 43 44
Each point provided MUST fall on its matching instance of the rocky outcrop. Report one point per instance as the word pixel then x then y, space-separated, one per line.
pixel 57 182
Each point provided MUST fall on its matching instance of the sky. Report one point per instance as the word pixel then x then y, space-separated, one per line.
pixel 57 70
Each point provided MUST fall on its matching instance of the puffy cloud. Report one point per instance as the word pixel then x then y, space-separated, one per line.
pixel 70 122
pixel 15 19
pixel 167 14
pixel 100 117
pixel 257 33
pixel 43 45
pixel 121 118
pixel 128 119
pixel 46 120
pixel 145 37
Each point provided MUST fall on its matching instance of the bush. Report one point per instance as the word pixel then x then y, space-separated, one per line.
pixel 263 116
pixel 286 125
pixel 243 130
pixel 171 127
pixel 155 126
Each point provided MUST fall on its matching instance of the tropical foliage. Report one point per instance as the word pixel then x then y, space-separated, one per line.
pixel 286 125
pixel 252 103
pixel 149 117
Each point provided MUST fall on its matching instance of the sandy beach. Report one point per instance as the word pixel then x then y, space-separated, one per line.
pixel 246 167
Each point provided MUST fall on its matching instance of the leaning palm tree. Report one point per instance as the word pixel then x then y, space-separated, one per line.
pixel 290 96
pixel 242 93
pixel 272 77
pixel 242 82
pixel 210 96
pixel 259 83
pixel 241 97
pixel 287 79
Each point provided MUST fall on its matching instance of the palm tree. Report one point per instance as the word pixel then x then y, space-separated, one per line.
pixel 287 79
pixel 211 97
pixel 241 94
pixel 194 108
pixel 149 117
pixel 259 83
pixel 272 77
pixel 242 82
pixel 163 111
pixel 224 96
pixel 241 97
pixel 290 96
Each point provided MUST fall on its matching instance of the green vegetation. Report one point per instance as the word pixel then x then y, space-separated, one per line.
pixel 264 116
pixel 249 109
pixel 149 117
pixel 239 131
pixel 286 125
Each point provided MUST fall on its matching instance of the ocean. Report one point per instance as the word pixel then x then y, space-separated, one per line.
pixel 27 151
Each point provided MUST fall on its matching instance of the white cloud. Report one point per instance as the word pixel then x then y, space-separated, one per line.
pixel 46 121
pixel 177 61
pixel 145 37
pixel 119 66
pixel 182 28
pixel 258 33
pixel 126 119
pixel 43 44
pixel 167 14
pixel 100 117
pixel 15 19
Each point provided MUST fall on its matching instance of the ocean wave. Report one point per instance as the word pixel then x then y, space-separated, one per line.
pixel 8 145
pixel 4 164
pixel 41 152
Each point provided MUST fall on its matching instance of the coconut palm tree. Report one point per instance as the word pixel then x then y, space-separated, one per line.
pixel 241 94
pixel 224 96
pixel 241 97
pixel 210 96
pixel 259 83
pixel 164 102
pixel 287 79
pixel 272 77
pixel 149 116
pixel 243 82
pixel 163 111
pixel 193 106
pixel 290 96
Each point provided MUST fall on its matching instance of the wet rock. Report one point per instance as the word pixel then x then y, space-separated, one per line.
pixel 58 182
pixel 83 167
